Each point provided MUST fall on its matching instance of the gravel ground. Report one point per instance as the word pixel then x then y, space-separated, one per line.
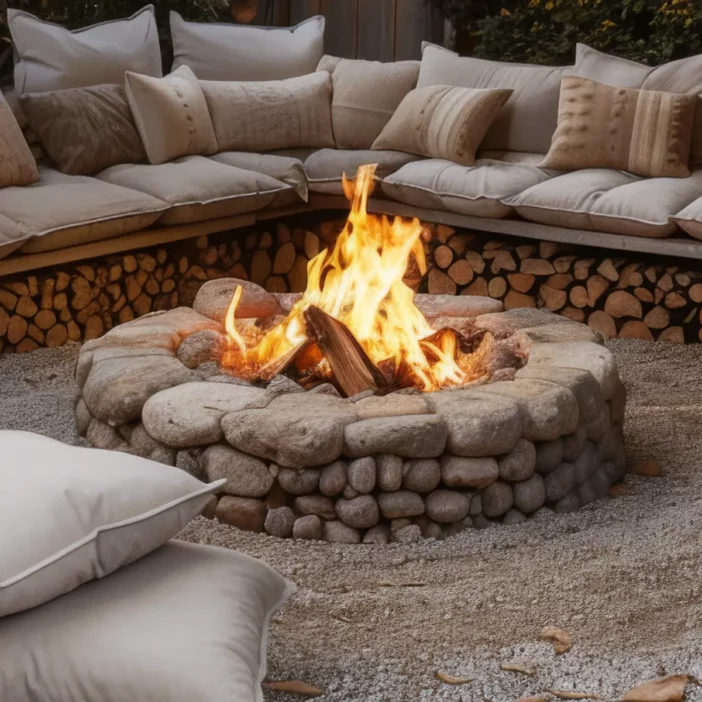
pixel 375 624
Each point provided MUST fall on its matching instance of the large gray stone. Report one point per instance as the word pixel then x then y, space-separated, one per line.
pixel 393 405
pixel 242 512
pixel 103 436
pixel 400 504
pixel 410 436
pixel 360 513
pixel 202 347
pixel 560 482
pixel 422 475
pixel 597 429
pixel 214 297
pixel 299 482
pixel 497 499
pixel 390 469
pixel 332 479
pixel 246 476
pixel 315 504
pixel 144 445
pixel 361 474
pixel 456 305
pixel 586 463
pixel 191 414
pixel 447 506
pixel 457 471
pixel 189 461
pixel 607 447
pixel 573 444
pixel 519 463
pixel 279 522
pixel 340 533
pixel 309 527
pixel 530 495
pixel 549 455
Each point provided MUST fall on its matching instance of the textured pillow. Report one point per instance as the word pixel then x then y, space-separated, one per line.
pixel 645 132
pixel 235 52
pixel 284 114
pixel 17 165
pixel 49 57
pixel 171 115
pixel 187 623
pixel 365 97
pixel 528 119
pixel 85 130
pixel 69 515
pixel 442 122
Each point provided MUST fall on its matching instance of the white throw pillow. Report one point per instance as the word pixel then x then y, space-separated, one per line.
pixel 69 514
pixel 49 57
pixel 235 52
pixel 186 623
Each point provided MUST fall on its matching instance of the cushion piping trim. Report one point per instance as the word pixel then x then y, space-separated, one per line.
pixel 226 197
pixel 497 198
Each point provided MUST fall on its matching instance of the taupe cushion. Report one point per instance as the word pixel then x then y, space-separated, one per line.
pixel 11 237
pixel 325 168
pixel 471 190
pixel 235 52
pixel 49 57
pixel 85 130
pixel 171 115
pixel 17 165
pixel 253 116
pixel 92 512
pixel 609 201
pixel 187 623
pixel 644 132
pixel 690 218
pixel 442 122
pixel 366 95
pixel 198 188
pixel 528 119
pixel 61 210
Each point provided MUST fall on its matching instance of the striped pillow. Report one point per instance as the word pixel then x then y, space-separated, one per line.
pixel 645 132
pixel 442 122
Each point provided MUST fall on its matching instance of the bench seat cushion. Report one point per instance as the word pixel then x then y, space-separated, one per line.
pixel 611 201
pixel 469 190
pixel 11 237
pixel 690 219
pixel 198 188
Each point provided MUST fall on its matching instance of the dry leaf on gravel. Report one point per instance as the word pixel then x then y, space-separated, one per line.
pixel 668 689
pixel 516 668
pixel 560 638
pixel 618 490
pixel 648 469
pixel 452 680
pixel 570 695
pixel 538 698
pixel 294 686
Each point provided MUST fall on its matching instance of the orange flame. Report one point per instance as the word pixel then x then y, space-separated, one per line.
pixel 360 283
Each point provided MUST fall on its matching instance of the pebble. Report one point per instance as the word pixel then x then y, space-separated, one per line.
pixel 407 534
pixel 360 513
pixel 559 482
pixel 279 522
pixel 242 512
pixel 573 444
pixel 402 503
pixel 476 506
pixel 315 504
pixel 586 463
pixel 421 475
pixel 361 474
pixel 389 471
pixel 519 463
pixel 447 506
pixel 309 527
pixel 530 494
pixel 340 533
pixel 497 499
pixel 201 347
pixel 548 455
pixel 299 482
pixel 332 479
pixel 246 476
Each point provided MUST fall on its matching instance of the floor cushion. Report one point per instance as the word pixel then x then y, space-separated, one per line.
pixel 92 512
pixel 198 188
pixel 187 623
pixel 611 201
pixel 61 210
pixel 326 167
pixel 470 190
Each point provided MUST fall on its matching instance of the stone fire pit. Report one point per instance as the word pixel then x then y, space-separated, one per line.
pixel 370 468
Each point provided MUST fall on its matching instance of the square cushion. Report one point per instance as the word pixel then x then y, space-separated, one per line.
pixel 61 210
pixel 470 190
pixel 234 52
pixel 187 623
pixel 326 167
pixel 85 130
pixel 645 132
pixel 365 97
pixel 528 119
pixel 198 188
pixel 442 122
pixel 92 512
pixel 49 57
pixel 262 116
pixel 608 201
pixel 171 115
pixel 17 165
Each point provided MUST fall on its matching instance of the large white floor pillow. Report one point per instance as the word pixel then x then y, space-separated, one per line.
pixel 187 623
pixel 69 515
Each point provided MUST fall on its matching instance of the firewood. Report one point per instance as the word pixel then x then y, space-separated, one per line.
pixel 635 330
pixel 87 272
pixel 503 261
pixel 133 288
pixel 152 286
pixel 311 245
pixel 73 330
pixel 460 272
pixel 537 266
pixel 4 321
pixel 83 315
pixel 526 251
pixel 280 364
pixel 35 333
pixel 125 314
pixel 443 256
pixel 578 296
pixel 261 267
pixel 8 300
pixel 515 299
pixel 56 336
pixel 168 285
pixel 521 282
pixel 47 294
pixel 440 284
pixel 353 369
pixel 682 279
pixel 162 255
pixel 17 287
pixel 26 307
pixel 690 315
pixel 497 287
pixel 461 242
pixel 549 249
pixel 493 246
pixel 276 284
pixel 694 293
pixel 560 281
pixel 581 268
pixel 673 335
pixel 601 322
pixel 266 241
pixel 657 318
pixel 26 345
pixel 554 299
pixel 476 262
pixel 16 329
pixel 665 283
pixel 196 272
pixel 284 259
pixel 658 295
pixel 478 287
pixel 674 300
pixel 623 304
pixel 82 293
pixel 142 305
pixel 129 263
pixel 209 256
pixel 65 315
pixel 596 286
pixel 45 319
pixel 651 274
pixel 444 233
pixel 643 294
pixel 607 270
pixel 297 278
pixel 562 263
pixel 573 313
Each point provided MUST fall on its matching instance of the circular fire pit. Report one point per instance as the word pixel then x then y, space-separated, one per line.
pixel 378 466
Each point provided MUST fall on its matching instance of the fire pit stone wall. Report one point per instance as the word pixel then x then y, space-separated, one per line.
pixel 313 465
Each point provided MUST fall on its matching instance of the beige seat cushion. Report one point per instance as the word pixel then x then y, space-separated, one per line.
pixel 49 57
pixel 171 115
pixel 11 237
pixel 690 219
pixel 471 190
pixel 442 122
pixel 235 52
pixel 528 119
pixel 366 95
pixel 262 116
pixel 645 132
pixel 61 210
pixel 17 164
pixel 197 188
pixel 609 201
pixel 326 167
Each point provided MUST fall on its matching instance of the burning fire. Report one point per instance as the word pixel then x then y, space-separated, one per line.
pixel 360 284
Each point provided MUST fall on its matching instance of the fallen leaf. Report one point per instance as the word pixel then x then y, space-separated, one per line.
pixel 342 618
pixel 451 680
pixel 570 695
pixel 538 698
pixel 668 689
pixel 294 686
pixel 618 490
pixel 561 639
pixel 648 469
pixel 516 668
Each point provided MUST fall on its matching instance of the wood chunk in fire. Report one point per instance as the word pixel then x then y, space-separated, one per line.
pixel 353 369
pixel 280 364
